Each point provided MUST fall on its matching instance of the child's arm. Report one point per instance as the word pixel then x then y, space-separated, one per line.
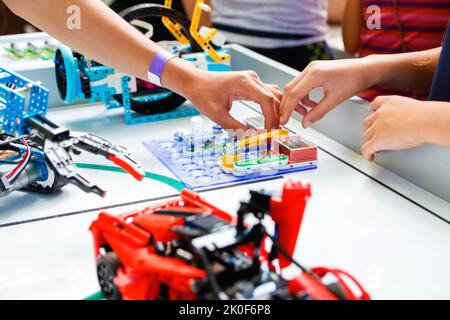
pixel 336 11
pixel 402 123
pixel 108 39
pixel 342 79
pixel 352 24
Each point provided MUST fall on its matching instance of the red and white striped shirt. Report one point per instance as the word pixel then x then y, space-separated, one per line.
pixel 406 26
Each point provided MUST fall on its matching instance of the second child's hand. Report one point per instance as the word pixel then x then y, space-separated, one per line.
pixel 340 80
pixel 401 123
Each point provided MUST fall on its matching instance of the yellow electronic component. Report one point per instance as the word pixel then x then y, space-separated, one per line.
pixel 262 138
pixel 174 28
pixel 231 154
pixel 205 41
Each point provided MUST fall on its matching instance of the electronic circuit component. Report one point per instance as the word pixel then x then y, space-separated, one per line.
pixel 217 157
pixel 44 50
pixel 36 152
pixel 296 148
pixel 256 123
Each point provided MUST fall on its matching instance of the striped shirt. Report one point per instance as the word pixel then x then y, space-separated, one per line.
pixel 271 23
pixel 413 25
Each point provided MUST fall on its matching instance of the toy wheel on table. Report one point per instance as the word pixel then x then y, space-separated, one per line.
pixel 150 99
pixel 65 72
pixel 159 30
pixel 107 266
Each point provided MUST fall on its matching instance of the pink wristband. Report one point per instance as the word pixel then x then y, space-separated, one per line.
pixel 157 66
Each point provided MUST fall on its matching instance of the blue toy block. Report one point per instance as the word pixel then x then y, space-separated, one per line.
pixel 20 99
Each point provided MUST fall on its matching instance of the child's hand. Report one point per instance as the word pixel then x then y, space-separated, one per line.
pixel 340 80
pixel 213 94
pixel 397 123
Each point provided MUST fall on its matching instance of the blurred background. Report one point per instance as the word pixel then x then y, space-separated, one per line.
pixel 11 24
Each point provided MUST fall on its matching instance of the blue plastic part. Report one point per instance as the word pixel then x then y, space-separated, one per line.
pixel 180 112
pixel 210 63
pixel 20 99
pixel 38 157
pixel 200 169
pixel 73 86
pixel 103 92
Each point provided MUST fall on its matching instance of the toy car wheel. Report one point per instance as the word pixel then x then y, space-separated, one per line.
pixel 154 101
pixel 65 72
pixel 160 32
pixel 107 266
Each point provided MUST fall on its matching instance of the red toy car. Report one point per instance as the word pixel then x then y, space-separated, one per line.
pixel 189 249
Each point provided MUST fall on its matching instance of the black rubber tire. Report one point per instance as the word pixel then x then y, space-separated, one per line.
pixel 174 100
pixel 107 266
pixel 167 104
pixel 60 74
pixel 160 32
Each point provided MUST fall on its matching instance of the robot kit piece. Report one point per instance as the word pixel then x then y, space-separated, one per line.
pixel 81 78
pixel 189 249
pixel 217 157
pixel 36 152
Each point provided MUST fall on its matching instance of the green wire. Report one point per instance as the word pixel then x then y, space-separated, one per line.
pixel 95 296
pixel 177 185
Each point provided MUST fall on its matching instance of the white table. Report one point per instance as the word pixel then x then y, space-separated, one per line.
pixel 361 218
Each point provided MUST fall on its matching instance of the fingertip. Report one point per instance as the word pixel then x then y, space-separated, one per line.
pixel 366 152
pixel 302 110
pixel 306 122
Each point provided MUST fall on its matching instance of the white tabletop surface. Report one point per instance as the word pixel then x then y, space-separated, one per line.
pixel 393 246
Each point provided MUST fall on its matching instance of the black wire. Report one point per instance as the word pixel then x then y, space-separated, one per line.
pixel 284 252
pixel 211 276
pixel 25 165
pixel 13 139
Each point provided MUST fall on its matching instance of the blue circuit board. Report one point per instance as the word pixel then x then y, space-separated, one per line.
pixel 199 168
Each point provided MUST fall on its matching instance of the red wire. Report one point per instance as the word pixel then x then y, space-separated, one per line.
pixel 22 162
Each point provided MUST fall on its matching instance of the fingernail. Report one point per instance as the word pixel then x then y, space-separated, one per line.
pixel 307 123
pixel 282 119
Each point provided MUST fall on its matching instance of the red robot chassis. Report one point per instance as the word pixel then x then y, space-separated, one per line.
pixel 189 249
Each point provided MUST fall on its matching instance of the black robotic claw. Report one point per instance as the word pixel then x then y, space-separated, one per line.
pixel 61 161
pixel 116 153
pixel 48 164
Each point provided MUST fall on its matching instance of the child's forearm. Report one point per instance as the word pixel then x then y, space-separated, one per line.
pixel 352 24
pixel 436 125
pixel 408 71
pixel 102 36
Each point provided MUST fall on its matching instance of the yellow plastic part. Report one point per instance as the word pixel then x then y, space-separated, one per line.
pixel 228 160
pixel 205 42
pixel 174 28
pixel 262 138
